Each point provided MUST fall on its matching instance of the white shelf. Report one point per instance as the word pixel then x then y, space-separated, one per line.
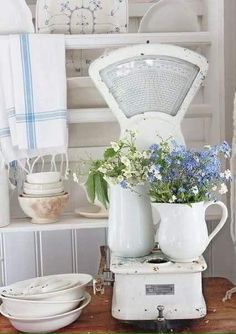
pixel 73 222
pixel 70 222
pixel 103 115
pixel 100 41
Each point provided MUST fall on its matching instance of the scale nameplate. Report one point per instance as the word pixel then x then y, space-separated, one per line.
pixel 160 289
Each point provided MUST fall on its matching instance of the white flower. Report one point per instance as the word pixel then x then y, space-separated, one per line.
pixel 120 178
pixel 75 178
pixel 173 199
pixel 125 161
pixel 195 190
pixel 214 188
pixel 223 190
pixel 127 174
pixel 102 170
pixel 207 146
pixel 228 174
pixel 145 155
pixel 134 133
pixel 115 146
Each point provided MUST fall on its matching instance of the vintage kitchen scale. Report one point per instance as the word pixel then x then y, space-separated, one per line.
pixel 149 89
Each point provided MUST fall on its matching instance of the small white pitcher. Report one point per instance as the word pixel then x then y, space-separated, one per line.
pixel 183 234
pixel 130 230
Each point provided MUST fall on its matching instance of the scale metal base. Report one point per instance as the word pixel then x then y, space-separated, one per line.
pixel 143 284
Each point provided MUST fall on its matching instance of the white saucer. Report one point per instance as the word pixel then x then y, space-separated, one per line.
pixel 169 16
pixel 91 212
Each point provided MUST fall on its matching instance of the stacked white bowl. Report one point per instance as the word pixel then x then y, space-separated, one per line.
pixel 43 197
pixel 45 304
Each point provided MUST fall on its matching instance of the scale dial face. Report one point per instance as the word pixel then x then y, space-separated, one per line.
pixel 150 87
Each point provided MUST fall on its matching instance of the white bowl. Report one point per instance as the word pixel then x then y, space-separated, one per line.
pixel 46 177
pixel 45 324
pixel 38 308
pixel 21 290
pixel 43 192
pixel 44 210
pixel 44 186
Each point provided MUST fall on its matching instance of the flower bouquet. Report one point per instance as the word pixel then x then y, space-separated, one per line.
pixel 122 164
pixel 183 184
pixel 180 175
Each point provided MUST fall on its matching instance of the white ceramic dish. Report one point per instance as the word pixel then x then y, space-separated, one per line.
pixel 47 324
pixel 43 192
pixel 38 308
pixel 40 285
pixel 81 17
pixel 44 210
pixel 44 186
pixel 42 178
pixel 91 212
pixel 169 16
pixel 75 292
pixel 40 196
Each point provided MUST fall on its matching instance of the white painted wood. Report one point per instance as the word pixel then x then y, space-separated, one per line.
pixel 19 256
pixel 76 42
pixel 56 252
pixel 89 243
pixel 69 222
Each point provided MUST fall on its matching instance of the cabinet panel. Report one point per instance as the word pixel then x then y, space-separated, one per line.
pixel 19 256
pixel 89 242
pixel 56 252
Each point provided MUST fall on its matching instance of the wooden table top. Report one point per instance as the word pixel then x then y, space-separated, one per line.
pixel 221 317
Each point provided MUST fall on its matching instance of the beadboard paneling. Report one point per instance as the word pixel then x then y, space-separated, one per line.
pixel 56 253
pixel 19 256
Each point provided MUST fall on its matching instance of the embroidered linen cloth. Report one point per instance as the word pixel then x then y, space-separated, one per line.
pixel 33 121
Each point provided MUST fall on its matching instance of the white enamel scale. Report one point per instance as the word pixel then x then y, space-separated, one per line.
pixel 149 88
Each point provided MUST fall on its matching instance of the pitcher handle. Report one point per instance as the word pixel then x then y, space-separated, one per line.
pixel 223 218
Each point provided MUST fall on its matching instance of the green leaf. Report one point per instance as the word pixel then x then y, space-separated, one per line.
pixel 90 187
pixel 101 190
pixel 109 153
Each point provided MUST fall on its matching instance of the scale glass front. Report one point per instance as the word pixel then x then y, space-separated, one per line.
pixel 149 88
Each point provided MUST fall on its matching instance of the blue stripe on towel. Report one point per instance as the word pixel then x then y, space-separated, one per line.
pixel 28 92
pixel 5 132
pixel 44 116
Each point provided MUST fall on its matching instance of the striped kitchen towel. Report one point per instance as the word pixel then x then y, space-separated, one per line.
pixel 34 87
pixel 39 86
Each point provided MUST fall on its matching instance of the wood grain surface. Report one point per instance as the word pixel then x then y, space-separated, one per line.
pixel 96 318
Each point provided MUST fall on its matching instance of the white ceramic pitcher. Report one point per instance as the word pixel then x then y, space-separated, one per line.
pixel 131 230
pixel 183 234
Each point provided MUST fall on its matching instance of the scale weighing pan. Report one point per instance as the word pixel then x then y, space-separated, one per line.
pixel 149 88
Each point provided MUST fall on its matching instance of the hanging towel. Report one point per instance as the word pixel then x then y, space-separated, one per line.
pixel 34 89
